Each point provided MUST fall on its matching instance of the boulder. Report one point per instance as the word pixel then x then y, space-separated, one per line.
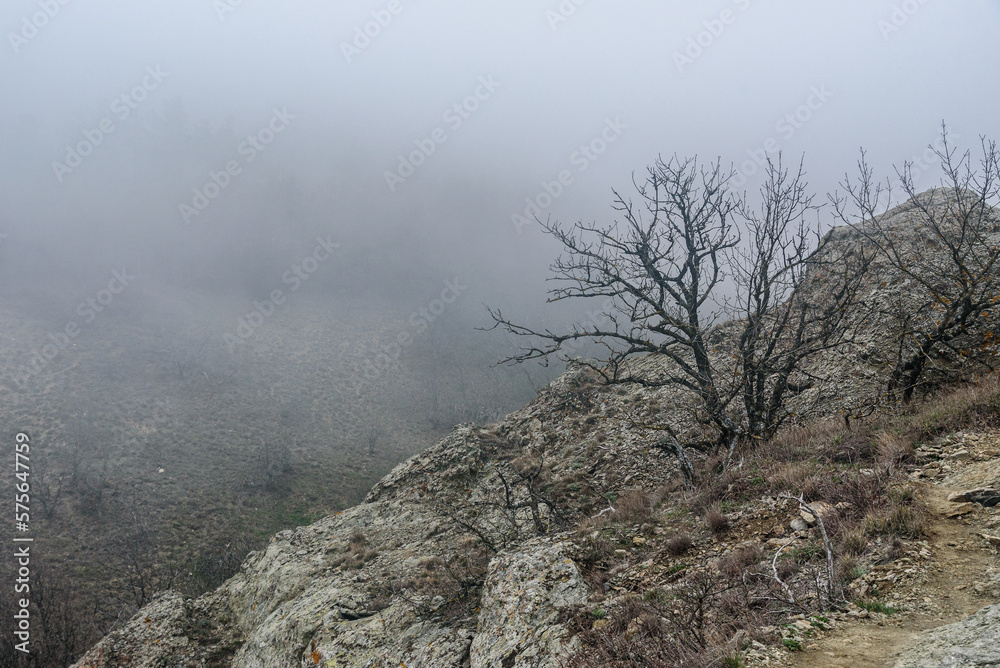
pixel 984 496
pixel 524 595
pixel 959 509
pixel 971 643
pixel 798 524
pixel 824 509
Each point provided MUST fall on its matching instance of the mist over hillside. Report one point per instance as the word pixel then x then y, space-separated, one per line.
pixel 246 248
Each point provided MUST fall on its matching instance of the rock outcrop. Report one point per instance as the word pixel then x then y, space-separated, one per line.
pixel 971 643
pixel 525 592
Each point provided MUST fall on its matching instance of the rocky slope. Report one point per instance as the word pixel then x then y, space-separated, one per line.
pixel 397 580
pixel 461 556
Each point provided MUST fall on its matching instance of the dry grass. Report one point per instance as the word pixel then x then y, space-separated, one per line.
pixel 860 468
pixel 974 405
pixel 716 521
pixel 356 554
pixel 634 507
pixel 802 477
pixel 893 451
pixel 679 544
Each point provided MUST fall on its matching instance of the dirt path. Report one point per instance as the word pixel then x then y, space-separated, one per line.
pixel 959 559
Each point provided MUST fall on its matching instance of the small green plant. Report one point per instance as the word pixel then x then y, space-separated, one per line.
pixel 875 606
pixel 599 613
pixel 733 661
pixel 677 568
pixel 792 644
pixel 654 595
pixel 819 623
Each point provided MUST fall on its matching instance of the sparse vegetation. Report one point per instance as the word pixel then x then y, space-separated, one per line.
pixel 877 607
pixel 945 316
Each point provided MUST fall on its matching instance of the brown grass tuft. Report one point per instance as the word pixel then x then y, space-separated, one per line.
pixel 634 507
pixel 679 543
pixel 893 450
pixel 717 522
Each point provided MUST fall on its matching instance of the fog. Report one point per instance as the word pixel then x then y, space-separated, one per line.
pixel 230 229
pixel 182 84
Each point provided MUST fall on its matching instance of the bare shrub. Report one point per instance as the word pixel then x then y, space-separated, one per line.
pixel 216 564
pixel 679 544
pixel 717 522
pixel 855 447
pixel 893 450
pixel 634 507
pixel 735 563
pixel 357 552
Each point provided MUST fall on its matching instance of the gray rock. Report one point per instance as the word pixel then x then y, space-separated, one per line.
pixel 984 496
pixel 524 593
pixel 971 643
pixel 822 508
pixel 798 524
pixel 959 509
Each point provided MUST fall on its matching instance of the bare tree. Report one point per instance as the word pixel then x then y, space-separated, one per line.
pixel 47 486
pixel 513 504
pixel 661 272
pixel 136 563
pixel 795 293
pixel 273 460
pixel 947 254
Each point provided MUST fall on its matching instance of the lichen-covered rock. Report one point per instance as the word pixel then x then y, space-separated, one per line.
pixel 169 631
pixel 524 594
pixel 971 643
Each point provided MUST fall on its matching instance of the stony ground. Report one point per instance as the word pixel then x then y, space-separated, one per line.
pixel 954 576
